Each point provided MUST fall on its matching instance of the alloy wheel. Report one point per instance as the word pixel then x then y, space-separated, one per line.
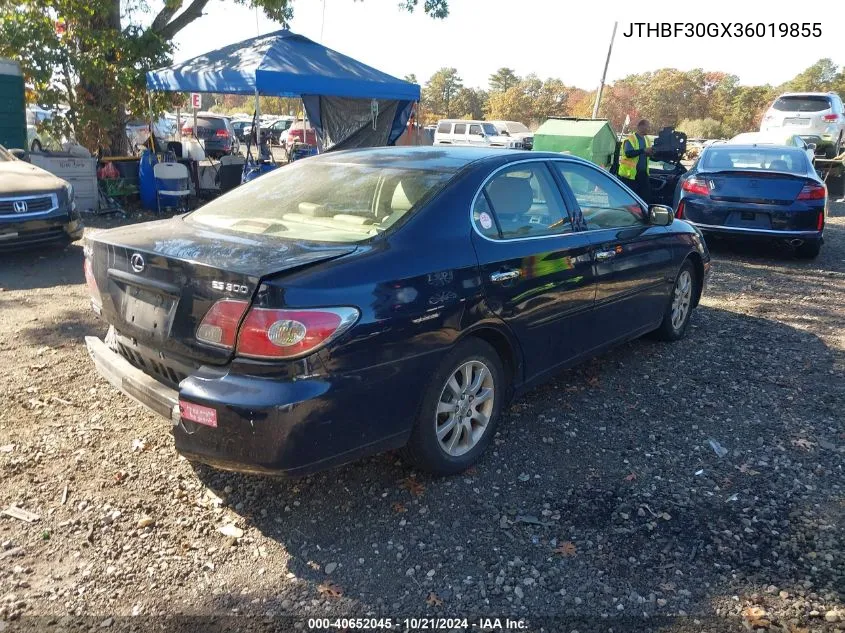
pixel 464 408
pixel 682 299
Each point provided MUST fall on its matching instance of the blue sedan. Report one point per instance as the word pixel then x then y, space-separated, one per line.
pixel 374 299
pixel 757 192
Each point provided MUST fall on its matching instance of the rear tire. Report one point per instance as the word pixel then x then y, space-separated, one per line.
pixel 460 410
pixel 809 250
pixel 680 305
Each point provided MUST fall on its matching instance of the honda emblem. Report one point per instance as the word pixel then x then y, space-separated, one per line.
pixel 137 262
pixel 20 206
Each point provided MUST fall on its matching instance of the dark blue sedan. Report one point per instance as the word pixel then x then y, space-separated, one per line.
pixel 755 191
pixel 367 300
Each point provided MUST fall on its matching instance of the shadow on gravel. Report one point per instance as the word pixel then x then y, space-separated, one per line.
pixel 72 326
pixel 612 457
pixel 42 267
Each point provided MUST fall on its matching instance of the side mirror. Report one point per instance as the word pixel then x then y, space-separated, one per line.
pixel 811 146
pixel 660 215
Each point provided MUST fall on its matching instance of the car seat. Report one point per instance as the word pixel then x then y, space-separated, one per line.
pixel 406 194
pixel 779 165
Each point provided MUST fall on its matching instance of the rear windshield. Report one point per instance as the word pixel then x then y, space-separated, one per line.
pixel 802 104
pixel 757 158
pixel 211 122
pixel 323 201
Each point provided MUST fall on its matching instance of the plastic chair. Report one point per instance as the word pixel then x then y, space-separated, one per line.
pixel 171 180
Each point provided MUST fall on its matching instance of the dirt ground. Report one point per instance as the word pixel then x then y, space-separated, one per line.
pixel 603 506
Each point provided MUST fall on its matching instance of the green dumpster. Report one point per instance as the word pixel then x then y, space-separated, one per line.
pixel 592 139
pixel 12 106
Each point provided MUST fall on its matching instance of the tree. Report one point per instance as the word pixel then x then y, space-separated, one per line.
pixel 440 92
pixel 412 78
pixel 510 105
pixel 92 55
pixel 470 103
pixel 820 77
pixel 701 128
pixel 503 79
pixel 551 100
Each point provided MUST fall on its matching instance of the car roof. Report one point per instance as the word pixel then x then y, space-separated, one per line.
pixel 442 157
pixel 806 94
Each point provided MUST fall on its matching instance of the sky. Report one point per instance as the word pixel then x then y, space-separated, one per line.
pixel 551 38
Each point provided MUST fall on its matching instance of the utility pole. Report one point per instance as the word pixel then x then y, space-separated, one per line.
pixel 604 74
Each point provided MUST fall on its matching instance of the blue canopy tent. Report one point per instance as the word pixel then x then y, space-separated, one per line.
pixel 349 103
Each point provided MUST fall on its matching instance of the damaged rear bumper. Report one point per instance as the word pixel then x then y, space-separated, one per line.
pixel 142 388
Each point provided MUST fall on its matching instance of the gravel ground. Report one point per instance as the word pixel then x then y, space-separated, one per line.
pixel 602 503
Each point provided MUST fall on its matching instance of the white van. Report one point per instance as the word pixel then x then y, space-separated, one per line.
pixel 475 133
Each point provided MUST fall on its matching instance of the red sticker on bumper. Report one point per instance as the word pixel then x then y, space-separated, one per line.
pixel 198 413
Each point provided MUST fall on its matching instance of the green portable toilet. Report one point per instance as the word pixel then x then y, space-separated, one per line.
pixel 12 105
pixel 592 139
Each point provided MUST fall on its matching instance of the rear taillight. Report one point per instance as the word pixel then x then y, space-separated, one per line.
pixel 219 326
pixel 679 212
pixel 187 130
pixel 91 281
pixel 813 192
pixel 275 334
pixel 831 117
pixel 222 134
pixel 820 221
pixel 694 185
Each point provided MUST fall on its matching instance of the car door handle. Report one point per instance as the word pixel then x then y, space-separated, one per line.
pixel 603 256
pixel 501 277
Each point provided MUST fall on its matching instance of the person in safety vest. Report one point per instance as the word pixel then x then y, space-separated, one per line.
pixel 633 161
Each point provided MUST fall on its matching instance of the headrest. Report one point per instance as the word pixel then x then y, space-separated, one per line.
pixel 510 194
pixel 779 165
pixel 314 210
pixel 407 193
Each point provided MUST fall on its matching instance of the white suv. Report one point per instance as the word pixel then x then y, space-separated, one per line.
pixel 475 133
pixel 817 117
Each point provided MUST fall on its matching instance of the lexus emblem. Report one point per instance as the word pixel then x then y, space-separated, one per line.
pixel 21 206
pixel 137 262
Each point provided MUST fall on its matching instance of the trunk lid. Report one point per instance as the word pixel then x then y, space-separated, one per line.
pixel 754 186
pixel 157 280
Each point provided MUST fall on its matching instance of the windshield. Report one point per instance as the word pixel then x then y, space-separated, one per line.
pixel 805 103
pixel 5 155
pixel 515 126
pixel 490 129
pixel 323 201
pixel 784 159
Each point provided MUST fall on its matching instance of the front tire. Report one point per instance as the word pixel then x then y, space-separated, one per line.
pixel 460 410
pixel 679 309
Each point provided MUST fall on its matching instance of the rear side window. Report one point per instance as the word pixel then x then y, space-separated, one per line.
pixel 460 128
pixel 802 103
pixel 521 201
pixel 444 128
pixel 604 203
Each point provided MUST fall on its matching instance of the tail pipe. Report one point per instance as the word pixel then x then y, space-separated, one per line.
pixel 795 243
